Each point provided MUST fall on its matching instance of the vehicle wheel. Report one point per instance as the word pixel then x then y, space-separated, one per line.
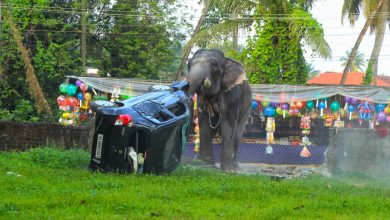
pixel 154 88
pixel 95 104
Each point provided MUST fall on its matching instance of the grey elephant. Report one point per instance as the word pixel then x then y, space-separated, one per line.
pixel 224 100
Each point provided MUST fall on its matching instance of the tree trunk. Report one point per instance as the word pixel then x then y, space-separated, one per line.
pixel 379 36
pixel 235 32
pixel 357 43
pixel 34 88
pixel 188 47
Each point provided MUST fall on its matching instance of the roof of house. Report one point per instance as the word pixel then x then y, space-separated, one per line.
pixel 334 78
pixel 384 78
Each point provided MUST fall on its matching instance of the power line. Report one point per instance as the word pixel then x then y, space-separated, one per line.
pixel 53 8
pixel 245 17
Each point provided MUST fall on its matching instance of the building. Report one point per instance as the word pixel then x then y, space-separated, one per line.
pixel 353 78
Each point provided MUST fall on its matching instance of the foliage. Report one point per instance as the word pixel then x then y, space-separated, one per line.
pixel 139 46
pixel 368 77
pixel 132 38
pixel 311 70
pixel 358 63
pixel 24 111
pixel 275 57
pixel 227 47
pixel 52 183
pixel 275 54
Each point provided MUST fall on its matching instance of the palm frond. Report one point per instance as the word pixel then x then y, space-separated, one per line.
pixel 311 31
pixel 351 9
pixel 216 32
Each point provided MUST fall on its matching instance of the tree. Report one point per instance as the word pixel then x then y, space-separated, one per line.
pixel 140 38
pixel 368 77
pixel 190 43
pixel 351 8
pixel 358 63
pixel 35 89
pixel 311 70
pixel 275 53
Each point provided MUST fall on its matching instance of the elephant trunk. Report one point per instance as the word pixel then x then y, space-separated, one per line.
pixel 198 77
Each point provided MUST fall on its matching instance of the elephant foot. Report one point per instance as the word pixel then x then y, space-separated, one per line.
pixel 207 161
pixel 229 168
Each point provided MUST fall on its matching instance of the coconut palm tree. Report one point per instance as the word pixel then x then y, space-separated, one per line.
pixel 312 71
pixel 188 47
pixel 243 17
pixel 358 63
pixel 35 89
pixel 377 15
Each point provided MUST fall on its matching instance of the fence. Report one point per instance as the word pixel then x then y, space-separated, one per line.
pixel 23 135
pixel 348 149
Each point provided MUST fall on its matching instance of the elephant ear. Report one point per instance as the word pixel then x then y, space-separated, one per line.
pixel 234 74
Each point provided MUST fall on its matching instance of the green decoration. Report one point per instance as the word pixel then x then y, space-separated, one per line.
pixel 63 87
pixel 310 105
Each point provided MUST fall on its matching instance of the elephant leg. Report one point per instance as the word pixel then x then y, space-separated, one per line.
pixel 228 151
pixel 239 131
pixel 206 137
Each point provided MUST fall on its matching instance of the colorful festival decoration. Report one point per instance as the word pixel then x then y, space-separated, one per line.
pixel 269 111
pixel 270 128
pixel 305 152
pixel 335 106
pixel 255 104
pixel 284 109
pixel 321 105
pixel 325 100
pixel 265 103
pixel 63 88
pixel 365 108
pixel 310 105
pixel 74 102
pixel 351 108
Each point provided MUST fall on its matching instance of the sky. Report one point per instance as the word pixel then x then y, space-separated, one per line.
pixel 343 37
pixel 340 37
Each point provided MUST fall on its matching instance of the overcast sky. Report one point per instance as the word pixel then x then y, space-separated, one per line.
pixel 341 37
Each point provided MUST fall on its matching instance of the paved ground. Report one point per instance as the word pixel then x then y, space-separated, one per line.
pixel 275 171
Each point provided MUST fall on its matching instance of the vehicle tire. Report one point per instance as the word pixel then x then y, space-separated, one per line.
pixel 95 104
pixel 155 88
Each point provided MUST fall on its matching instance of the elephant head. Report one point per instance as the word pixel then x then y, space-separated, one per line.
pixel 209 72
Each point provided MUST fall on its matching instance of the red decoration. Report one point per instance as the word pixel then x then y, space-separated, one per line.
pixel 382 132
pixel 72 101
pixel 305 152
pixel 298 105
pixel 61 100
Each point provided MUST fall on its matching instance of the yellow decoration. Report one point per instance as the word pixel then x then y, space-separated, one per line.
pixel 65 115
pixel 270 128
pixel 87 96
pixel 85 104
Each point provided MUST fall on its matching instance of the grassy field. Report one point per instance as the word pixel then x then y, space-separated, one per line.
pixel 54 184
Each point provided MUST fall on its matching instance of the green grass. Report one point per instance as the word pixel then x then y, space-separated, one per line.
pixel 54 184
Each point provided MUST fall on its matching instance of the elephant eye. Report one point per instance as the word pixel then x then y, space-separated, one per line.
pixel 216 68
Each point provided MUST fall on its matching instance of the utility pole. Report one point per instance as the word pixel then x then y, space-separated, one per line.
pixel 83 32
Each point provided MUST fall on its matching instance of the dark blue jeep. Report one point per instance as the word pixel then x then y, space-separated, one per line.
pixel 144 134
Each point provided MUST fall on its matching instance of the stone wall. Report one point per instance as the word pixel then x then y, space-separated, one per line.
pixel 359 150
pixel 23 135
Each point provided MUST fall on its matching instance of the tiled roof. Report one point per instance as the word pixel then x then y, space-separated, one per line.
pixel 384 78
pixel 334 78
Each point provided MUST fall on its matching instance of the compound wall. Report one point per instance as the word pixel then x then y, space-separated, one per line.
pixel 24 135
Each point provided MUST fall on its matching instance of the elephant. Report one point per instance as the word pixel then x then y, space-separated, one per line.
pixel 224 100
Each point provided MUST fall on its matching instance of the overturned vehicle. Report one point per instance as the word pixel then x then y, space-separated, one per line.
pixel 145 134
